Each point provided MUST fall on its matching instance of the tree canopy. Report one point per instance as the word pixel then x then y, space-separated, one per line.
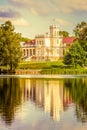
pixel 64 33
pixel 75 56
pixel 25 39
pixel 10 50
pixel 80 31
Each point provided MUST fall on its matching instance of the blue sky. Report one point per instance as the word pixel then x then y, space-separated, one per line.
pixel 32 17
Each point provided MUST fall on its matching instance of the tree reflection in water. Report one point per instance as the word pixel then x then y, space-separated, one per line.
pixel 78 91
pixel 10 98
pixel 52 96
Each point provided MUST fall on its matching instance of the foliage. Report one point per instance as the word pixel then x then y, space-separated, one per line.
pixel 25 39
pixel 80 31
pixel 64 33
pixel 83 44
pixel 64 71
pixel 10 50
pixel 76 55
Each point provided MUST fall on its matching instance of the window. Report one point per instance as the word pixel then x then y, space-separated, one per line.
pixel 33 51
pixel 37 42
pixel 57 41
pixel 57 33
pixel 24 52
pixel 57 51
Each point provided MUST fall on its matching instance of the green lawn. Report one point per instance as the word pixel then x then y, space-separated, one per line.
pixel 40 65
pixel 46 67
pixel 56 67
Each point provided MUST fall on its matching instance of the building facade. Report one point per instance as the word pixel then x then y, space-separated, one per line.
pixel 47 47
pixel 29 50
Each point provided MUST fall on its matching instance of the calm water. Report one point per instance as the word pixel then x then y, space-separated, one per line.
pixel 43 104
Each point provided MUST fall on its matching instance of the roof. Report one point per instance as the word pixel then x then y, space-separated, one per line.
pixel 31 42
pixel 68 40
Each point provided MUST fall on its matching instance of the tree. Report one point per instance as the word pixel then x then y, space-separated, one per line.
pixel 10 50
pixel 25 39
pixel 75 56
pixel 80 31
pixel 64 33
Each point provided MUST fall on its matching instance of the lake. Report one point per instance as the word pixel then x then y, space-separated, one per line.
pixel 30 103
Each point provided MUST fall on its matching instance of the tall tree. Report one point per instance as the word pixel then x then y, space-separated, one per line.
pixel 80 31
pixel 10 50
pixel 76 55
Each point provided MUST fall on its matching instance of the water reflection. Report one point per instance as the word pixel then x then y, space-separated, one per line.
pixel 51 96
pixel 78 91
pixel 10 98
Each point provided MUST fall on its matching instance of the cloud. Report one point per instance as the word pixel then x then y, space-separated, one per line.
pixel 34 12
pixel 49 7
pixel 70 6
pixel 16 21
pixel 20 22
pixel 39 7
pixel 7 12
pixel 63 22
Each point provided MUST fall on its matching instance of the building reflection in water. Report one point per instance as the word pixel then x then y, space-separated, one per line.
pixel 49 95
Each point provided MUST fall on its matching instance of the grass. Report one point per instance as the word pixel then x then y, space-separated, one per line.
pixel 64 71
pixel 47 67
pixel 55 67
pixel 40 65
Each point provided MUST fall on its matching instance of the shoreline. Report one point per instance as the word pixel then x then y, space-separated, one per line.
pixel 41 76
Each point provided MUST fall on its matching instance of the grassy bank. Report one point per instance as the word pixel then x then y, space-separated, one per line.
pixel 40 65
pixel 56 67
pixel 64 71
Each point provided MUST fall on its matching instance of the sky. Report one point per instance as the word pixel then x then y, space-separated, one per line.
pixel 33 17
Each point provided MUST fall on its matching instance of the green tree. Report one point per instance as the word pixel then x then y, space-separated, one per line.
pixel 80 31
pixel 75 56
pixel 64 33
pixel 25 39
pixel 10 50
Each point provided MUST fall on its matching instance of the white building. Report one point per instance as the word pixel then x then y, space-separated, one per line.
pixel 45 47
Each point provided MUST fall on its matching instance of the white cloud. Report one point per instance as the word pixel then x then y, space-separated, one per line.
pixel 68 6
pixel 36 7
pixel 48 7
pixel 8 12
pixel 16 21
pixel 20 22
pixel 34 12
pixel 63 22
